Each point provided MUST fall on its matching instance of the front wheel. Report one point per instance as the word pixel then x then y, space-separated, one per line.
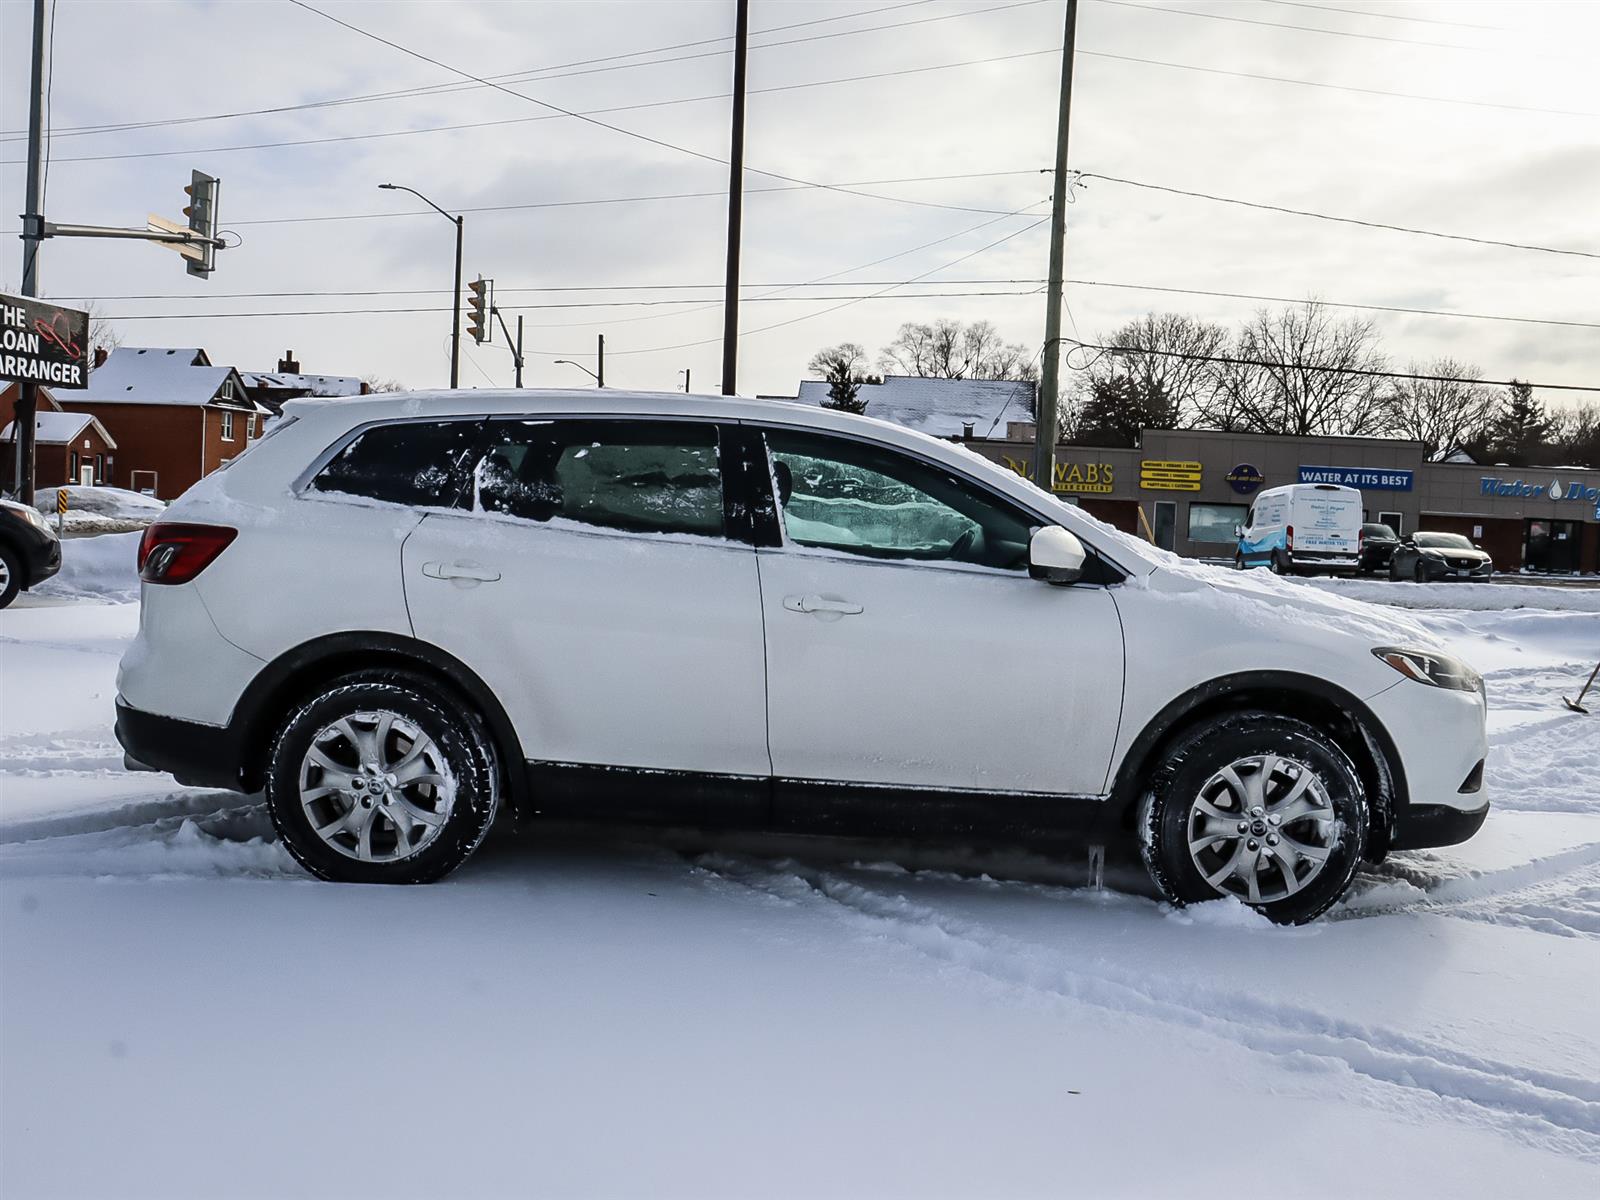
pixel 383 778
pixel 10 575
pixel 1264 808
pixel 1419 573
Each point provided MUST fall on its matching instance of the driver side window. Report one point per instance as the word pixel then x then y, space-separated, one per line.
pixel 837 494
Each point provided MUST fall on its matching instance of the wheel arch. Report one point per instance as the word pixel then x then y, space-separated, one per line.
pixel 298 673
pixel 1327 706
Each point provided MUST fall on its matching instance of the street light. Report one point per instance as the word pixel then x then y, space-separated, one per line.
pixel 568 362
pixel 455 330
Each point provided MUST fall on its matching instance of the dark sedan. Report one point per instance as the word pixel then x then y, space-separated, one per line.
pixel 1424 557
pixel 1378 544
pixel 29 551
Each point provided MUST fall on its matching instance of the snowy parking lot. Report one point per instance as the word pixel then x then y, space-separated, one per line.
pixel 185 1013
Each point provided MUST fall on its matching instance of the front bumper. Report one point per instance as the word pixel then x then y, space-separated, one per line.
pixel 192 753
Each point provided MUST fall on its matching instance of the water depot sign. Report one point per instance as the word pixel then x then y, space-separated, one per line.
pixel 43 343
pixel 1372 479
pixel 1517 489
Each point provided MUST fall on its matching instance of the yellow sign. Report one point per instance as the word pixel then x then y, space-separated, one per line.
pixel 1073 478
pixel 1160 476
pixel 61 501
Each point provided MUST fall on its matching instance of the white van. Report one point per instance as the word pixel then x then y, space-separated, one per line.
pixel 1303 527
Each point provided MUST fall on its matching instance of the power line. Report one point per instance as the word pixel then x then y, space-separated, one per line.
pixel 642 137
pixel 648 104
pixel 1366 372
pixel 1337 87
pixel 1301 212
pixel 1368 37
pixel 1027 287
pixel 542 74
pixel 1361 12
pixel 1392 308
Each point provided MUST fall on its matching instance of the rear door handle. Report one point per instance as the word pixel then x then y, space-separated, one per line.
pixel 460 570
pixel 820 604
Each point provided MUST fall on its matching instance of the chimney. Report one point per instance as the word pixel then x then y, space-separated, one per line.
pixel 101 353
pixel 287 364
pixel 966 430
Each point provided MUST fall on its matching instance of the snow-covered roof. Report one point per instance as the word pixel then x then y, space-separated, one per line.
pixel 305 385
pixel 152 375
pixel 939 407
pixel 59 428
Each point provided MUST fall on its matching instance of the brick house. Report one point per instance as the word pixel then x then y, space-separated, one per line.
pixel 272 388
pixel 68 448
pixel 173 415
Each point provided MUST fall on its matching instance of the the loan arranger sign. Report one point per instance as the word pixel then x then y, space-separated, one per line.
pixel 43 343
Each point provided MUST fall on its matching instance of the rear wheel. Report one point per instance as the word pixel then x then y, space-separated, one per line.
pixel 10 575
pixel 1264 808
pixel 1278 565
pixel 384 778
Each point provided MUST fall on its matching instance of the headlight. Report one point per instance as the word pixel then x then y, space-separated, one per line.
pixel 1435 670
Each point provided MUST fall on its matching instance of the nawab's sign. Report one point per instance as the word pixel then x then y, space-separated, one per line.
pixel 43 343
pixel 1073 477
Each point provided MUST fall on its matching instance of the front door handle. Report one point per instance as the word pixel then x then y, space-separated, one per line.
pixel 820 604
pixel 460 570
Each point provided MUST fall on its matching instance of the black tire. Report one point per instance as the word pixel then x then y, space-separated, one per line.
pixel 1419 573
pixel 1213 744
pixel 12 562
pixel 1277 565
pixel 462 741
pixel 1238 561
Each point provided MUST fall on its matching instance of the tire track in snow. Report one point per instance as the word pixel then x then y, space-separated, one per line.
pixel 60 754
pixel 1559 1111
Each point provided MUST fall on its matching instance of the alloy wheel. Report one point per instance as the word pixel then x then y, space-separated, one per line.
pixel 1262 828
pixel 375 787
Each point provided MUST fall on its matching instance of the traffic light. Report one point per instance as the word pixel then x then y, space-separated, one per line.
pixel 202 213
pixel 478 322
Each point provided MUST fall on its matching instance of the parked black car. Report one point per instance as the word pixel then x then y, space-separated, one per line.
pixel 1378 543
pixel 1428 556
pixel 29 550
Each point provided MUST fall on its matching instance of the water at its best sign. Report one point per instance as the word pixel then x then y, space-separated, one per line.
pixel 43 343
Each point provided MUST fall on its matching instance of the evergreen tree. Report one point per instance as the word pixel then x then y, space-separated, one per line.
pixel 1521 429
pixel 1117 408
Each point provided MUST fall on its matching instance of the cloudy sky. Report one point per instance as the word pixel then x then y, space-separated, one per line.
pixel 1479 119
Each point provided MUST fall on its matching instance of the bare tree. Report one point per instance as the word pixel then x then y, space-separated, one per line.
pixel 376 383
pixel 1301 371
pixel 842 366
pixel 1442 414
pixel 948 349
pixel 1168 358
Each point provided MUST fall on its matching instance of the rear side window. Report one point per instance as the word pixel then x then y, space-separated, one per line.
pixel 638 476
pixel 417 463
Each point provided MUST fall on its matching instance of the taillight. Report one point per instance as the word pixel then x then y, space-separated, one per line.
pixel 1288 537
pixel 177 553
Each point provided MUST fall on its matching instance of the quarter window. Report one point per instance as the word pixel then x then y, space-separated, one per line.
pixel 638 476
pixel 417 463
pixel 843 495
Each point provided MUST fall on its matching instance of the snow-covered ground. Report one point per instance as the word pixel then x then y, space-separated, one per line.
pixel 182 1013
pixel 93 510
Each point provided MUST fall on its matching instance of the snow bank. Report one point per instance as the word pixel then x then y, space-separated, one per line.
pixel 97 568
pixel 1481 597
pixel 102 509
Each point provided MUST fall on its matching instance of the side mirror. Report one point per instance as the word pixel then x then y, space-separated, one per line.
pixel 1238 531
pixel 1055 555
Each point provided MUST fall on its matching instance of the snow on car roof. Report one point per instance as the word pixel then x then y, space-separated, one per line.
pixel 939 407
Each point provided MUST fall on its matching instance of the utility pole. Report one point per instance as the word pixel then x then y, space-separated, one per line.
pixel 1044 445
pixel 600 378
pixel 519 349
pixel 32 242
pixel 686 388
pixel 730 300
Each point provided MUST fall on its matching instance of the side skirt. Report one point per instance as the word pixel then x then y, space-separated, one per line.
pixel 637 795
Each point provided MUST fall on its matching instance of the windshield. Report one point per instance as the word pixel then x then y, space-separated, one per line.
pixel 1444 541
pixel 1377 531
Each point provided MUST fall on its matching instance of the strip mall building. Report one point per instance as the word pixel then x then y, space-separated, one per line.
pixel 1194 486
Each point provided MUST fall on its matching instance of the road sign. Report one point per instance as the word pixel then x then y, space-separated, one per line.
pixel 43 343
pixel 193 251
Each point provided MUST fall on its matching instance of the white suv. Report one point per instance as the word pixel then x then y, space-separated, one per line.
pixel 394 613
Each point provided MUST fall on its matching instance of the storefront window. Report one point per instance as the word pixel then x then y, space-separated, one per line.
pixel 1215 522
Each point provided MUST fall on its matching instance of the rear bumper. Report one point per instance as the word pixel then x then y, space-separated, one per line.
pixel 192 753
pixel 1421 826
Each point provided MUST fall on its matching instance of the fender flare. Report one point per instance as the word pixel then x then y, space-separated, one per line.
pixel 285 677
pixel 1218 695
